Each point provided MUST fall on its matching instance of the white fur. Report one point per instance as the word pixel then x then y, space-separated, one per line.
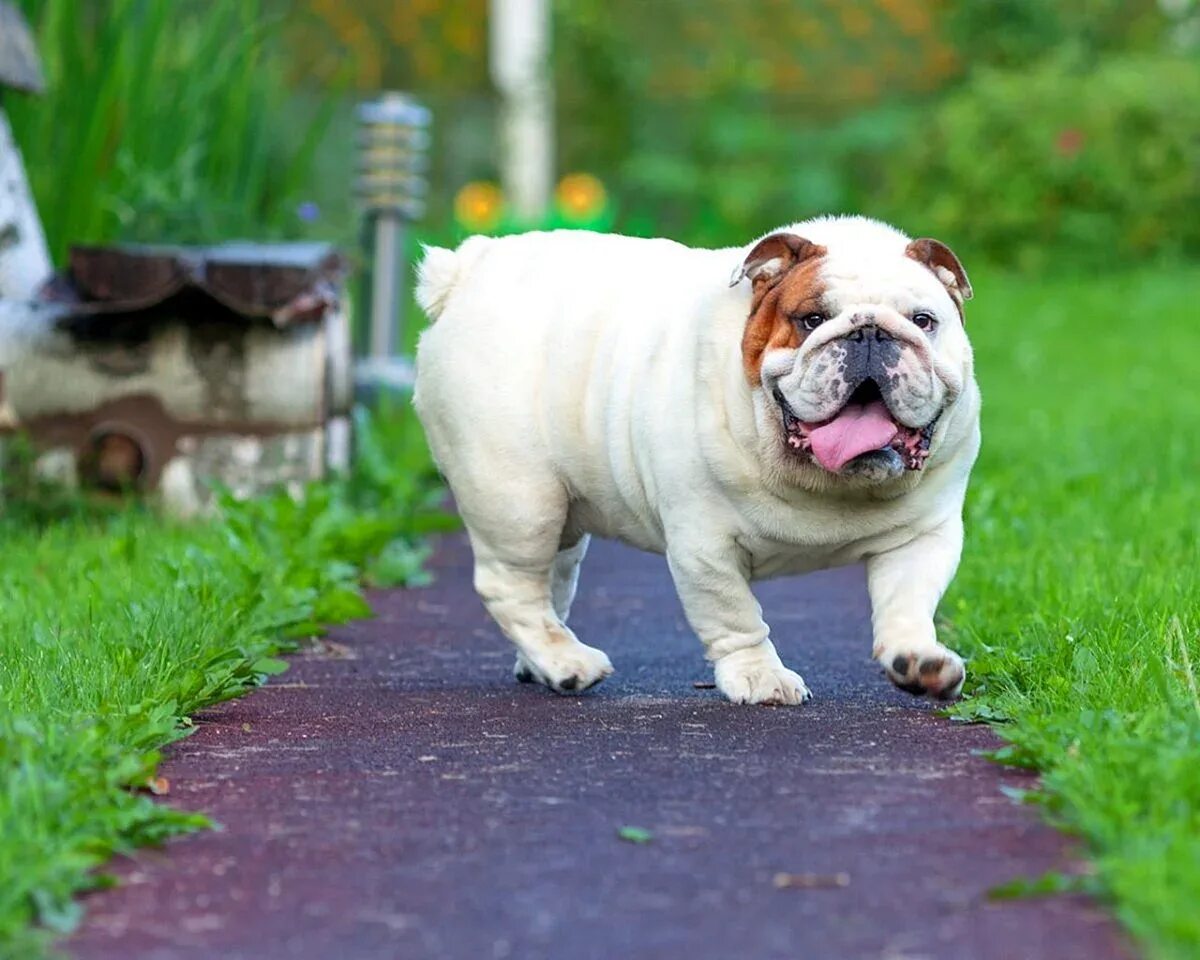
pixel 578 383
pixel 440 271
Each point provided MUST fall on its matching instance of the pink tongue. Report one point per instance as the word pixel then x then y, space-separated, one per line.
pixel 854 431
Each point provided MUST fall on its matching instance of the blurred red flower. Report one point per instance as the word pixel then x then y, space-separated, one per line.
pixel 1069 141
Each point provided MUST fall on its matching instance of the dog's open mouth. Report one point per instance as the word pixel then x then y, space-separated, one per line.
pixel 863 426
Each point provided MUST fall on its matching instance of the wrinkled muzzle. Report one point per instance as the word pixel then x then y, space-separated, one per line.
pixel 825 379
pixel 867 391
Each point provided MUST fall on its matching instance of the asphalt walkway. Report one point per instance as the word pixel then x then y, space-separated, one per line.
pixel 397 795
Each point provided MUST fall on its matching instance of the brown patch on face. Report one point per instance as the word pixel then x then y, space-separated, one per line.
pixel 780 299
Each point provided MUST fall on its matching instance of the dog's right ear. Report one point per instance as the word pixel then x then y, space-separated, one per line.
pixel 774 256
pixel 940 259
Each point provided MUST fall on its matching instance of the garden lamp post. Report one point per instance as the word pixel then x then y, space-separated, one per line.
pixel 393 143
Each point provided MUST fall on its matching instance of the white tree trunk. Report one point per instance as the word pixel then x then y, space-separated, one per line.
pixel 520 50
pixel 24 259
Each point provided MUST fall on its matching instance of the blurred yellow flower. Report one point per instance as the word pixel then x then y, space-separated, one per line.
pixel 580 196
pixel 855 21
pixel 479 206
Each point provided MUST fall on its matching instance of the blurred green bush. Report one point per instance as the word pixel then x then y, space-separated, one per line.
pixel 1065 130
pixel 1092 165
pixel 1086 165
pixel 729 171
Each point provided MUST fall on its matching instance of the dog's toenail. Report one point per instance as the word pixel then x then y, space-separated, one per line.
pixel 930 666
pixel 570 683
pixel 524 675
pixel 900 665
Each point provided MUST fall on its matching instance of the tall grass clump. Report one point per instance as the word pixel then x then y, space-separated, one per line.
pixel 164 120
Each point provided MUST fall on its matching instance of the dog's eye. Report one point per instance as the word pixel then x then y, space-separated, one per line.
pixel 923 320
pixel 810 321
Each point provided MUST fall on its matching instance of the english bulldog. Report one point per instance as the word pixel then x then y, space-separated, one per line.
pixel 804 402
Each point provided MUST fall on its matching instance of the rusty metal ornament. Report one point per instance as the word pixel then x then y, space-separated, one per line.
pixel 281 283
pixel 20 67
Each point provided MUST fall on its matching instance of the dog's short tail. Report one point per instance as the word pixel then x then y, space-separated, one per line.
pixel 441 270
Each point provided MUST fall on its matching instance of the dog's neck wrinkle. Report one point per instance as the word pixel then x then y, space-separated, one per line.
pixel 738 399
pixel 728 396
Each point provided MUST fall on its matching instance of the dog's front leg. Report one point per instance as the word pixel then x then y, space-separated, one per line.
pixel 715 590
pixel 906 585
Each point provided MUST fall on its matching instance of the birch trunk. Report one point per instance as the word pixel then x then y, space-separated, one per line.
pixel 24 259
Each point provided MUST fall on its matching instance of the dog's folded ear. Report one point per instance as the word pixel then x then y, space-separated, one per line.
pixel 945 266
pixel 774 256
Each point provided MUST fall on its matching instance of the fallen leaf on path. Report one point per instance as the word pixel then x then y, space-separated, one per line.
pixel 810 881
pixel 159 786
pixel 331 649
pixel 635 834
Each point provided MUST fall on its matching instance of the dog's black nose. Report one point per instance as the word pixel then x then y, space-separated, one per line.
pixel 869 352
pixel 869 332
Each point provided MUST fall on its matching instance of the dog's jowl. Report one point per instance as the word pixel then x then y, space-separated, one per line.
pixel 800 403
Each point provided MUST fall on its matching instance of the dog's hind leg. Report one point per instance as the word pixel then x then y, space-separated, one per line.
pixel 564 579
pixel 527 583
pixel 564 575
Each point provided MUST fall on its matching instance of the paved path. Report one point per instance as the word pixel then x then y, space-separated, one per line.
pixel 401 797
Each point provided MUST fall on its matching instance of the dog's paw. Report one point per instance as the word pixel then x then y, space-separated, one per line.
pixel 568 671
pixel 757 675
pixel 938 671
pixel 523 672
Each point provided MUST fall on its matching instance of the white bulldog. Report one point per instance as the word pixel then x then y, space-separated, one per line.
pixel 820 409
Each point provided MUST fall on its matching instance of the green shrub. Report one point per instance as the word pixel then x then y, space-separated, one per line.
pixel 1017 33
pixel 1056 162
pixel 738 170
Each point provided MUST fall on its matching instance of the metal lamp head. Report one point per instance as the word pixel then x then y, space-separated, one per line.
pixel 393 148
pixel 393 145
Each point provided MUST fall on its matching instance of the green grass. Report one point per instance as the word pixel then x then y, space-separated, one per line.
pixel 1078 598
pixel 116 627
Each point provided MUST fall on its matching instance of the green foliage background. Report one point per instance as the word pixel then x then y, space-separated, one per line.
pixel 1020 130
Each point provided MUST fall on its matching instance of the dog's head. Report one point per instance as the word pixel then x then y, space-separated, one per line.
pixel 856 346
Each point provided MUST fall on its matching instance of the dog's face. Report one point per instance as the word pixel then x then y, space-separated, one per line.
pixel 859 349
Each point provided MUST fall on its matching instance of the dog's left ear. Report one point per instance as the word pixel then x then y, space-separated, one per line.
pixel 774 256
pixel 940 259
